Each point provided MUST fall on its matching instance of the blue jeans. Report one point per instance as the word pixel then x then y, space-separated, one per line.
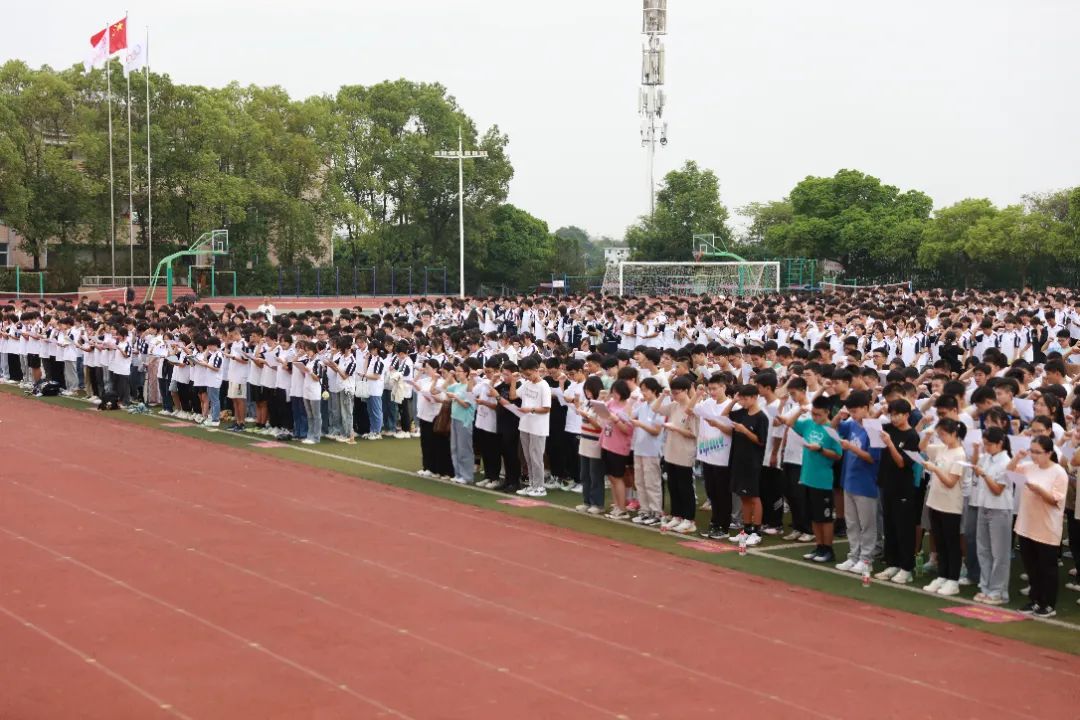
pixel 390 413
pixel 299 418
pixel 163 390
pixel 374 413
pixel 461 450
pixel 213 394
pixel 591 475
pixel 313 408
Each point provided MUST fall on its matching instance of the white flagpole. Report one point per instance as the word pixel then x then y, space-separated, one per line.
pixel 112 199
pixel 131 205
pixel 149 214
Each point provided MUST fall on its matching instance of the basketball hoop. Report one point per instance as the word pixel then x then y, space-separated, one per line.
pixel 698 255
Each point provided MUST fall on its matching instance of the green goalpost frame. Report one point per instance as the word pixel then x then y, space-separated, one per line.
pixel 18 282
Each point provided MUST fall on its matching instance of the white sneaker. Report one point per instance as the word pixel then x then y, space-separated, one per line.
pixel 523 491
pixel 595 510
pixel 415 434
pixel 639 518
pixel 949 587
pixel 459 481
pixel 537 492
pixel 934 586
pixel 686 527
pixel 671 522
pixel 616 514
pixel 753 539
pixel 401 435
pixel 576 488
pixel 860 568
pixel 582 508
pixel 771 531
pixel 308 441
pixel 806 537
pixel 739 539
pixel 902 577
pixel 846 565
pixel 199 419
pixel 887 574
pixel 423 473
pixel 209 423
pixel 793 535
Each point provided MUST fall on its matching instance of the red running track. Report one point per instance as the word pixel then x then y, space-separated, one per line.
pixel 145 574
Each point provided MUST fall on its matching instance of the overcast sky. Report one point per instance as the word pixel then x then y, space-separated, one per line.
pixel 958 98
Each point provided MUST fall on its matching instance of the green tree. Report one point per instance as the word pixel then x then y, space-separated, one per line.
pixel 519 251
pixel 687 204
pixel 852 217
pixel 947 241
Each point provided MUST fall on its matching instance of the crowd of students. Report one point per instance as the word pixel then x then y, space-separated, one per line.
pixel 875 415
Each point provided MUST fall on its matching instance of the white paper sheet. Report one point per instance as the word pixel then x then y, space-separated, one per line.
pixel 872 426
pixel 1018 443
pixel 1026 408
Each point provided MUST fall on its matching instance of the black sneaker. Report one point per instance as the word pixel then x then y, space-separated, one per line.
pixel 499 485
pixel 1044 612
pixel 825 556
pixel 717 534
pixel 709 532
pixel 1029 609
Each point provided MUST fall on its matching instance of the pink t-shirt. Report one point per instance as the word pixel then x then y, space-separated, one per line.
pixel 616 437
pixel 1037 519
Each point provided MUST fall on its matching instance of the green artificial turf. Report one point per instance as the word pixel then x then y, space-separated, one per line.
pixel 394 462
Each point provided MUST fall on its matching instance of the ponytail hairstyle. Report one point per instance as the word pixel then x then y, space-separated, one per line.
pixel 951 427
pixel 1046 444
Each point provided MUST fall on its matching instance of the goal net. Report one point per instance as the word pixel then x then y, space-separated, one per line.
pixel 692 278
pixel 852 288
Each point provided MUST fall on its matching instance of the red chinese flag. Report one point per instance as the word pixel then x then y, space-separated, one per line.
pixel 117 36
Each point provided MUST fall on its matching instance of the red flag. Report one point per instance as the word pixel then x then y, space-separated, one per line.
pixel 117 36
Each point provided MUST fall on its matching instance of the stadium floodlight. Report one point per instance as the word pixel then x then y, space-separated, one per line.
pixel 461 154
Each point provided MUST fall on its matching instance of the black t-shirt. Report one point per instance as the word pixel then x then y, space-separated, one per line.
pixel 506 421
pixel 747 457
pixel 891 476
pixel 951 354
pixel 557 416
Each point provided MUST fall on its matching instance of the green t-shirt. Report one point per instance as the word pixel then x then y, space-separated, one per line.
pixel 817 470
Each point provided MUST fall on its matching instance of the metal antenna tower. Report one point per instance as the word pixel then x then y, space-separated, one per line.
pixel 651 95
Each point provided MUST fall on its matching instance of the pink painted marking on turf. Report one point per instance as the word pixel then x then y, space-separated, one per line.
pixel 986 614
pixel 523 502
pixel 177 425
pixel 705 546
pixel 268 444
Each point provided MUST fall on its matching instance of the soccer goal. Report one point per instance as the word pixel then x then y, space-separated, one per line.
pixel 833 287
pixel 692 278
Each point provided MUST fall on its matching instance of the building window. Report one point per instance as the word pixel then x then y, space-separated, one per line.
pixel 3 254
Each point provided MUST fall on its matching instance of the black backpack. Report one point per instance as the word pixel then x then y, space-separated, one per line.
pixel 49 389
pixel 109 401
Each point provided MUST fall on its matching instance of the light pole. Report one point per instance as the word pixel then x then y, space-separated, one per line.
pixel 460 155
pixel 651 97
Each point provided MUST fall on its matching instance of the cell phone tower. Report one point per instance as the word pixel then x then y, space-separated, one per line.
pixel 651 96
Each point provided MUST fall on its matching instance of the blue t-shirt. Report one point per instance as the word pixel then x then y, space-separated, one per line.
pixel 859 477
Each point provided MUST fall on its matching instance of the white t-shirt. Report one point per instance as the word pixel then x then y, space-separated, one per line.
pixel 534 395
pixel 713 446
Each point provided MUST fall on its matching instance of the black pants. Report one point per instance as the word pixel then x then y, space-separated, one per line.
pixel 186 391
pixel 405 414
pixel 508 449
pixel 680 479
pixel 796 498
pixel 1040 563
pixel 427 447
pixel 441 458
pixel 899 507
pixel 488 445
pixel 97 384
pixel 280 409
pixel 772 497
pixel 571 441
pixel 122 387
pixel 1074 538
pixel 360 422
pixel 946 530
pixel 718 488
